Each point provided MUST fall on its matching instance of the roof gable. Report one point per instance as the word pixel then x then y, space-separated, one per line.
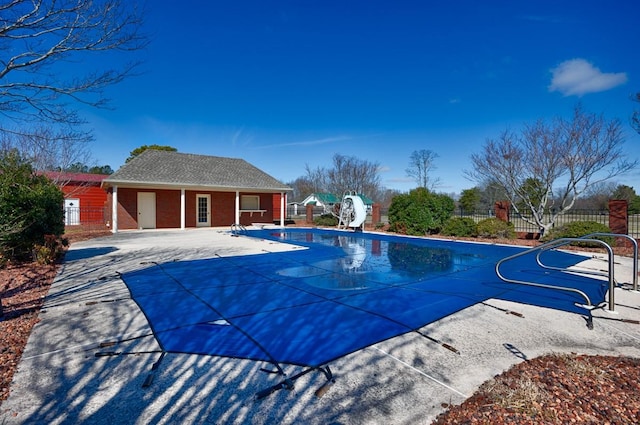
pixel 164 168
pixel 365 199
pixel 327 198
pixel 322 198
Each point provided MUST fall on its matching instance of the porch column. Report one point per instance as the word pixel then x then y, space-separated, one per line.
pixel 283 211
pixel 237 207
pixel 114 210
pixel 183 204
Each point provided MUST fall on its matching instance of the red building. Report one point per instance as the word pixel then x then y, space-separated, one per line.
pixel 160 189
pixel 84 198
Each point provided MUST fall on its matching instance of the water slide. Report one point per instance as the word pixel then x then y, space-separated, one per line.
pixel 359 210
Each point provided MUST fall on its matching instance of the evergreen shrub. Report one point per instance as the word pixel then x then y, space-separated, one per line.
pixel 419 212
pixel 577 229
pixel 460 226
pixel 495 228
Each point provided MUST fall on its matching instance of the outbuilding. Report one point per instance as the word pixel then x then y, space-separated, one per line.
pixel 84 200
pixel 162 189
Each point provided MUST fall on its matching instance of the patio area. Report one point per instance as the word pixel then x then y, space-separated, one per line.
pixel 402 380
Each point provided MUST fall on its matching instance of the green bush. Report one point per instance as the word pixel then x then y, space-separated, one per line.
pixel 326 220
pixel 31 206
pixel 577 229
pixel 495 228
pixel 419 212
pixel 460 226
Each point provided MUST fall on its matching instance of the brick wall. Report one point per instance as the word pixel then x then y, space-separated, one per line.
pixel 127 208
pixel 168 208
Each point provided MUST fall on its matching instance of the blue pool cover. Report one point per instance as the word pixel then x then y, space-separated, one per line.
pixel 345 292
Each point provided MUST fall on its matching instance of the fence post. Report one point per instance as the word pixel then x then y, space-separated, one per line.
pixel 309 214
pixel 376 216
pixel 619 220
pixel 501 209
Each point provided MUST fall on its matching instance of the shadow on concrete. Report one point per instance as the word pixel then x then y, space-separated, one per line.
pixel 84 253
pixel 402 380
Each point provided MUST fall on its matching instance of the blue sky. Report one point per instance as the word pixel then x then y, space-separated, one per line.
pixel 287 83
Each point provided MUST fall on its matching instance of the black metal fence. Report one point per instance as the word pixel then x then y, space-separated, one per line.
pixel 520 224
pixel 92 217
pixel 527 224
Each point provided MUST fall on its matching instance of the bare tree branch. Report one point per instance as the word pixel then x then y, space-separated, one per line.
pixel 39 38
pixel 421 165
pixel 549 166
pixel 48 149
pixel 635 116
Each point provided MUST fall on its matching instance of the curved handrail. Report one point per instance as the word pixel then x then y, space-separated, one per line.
pixel 590 237
pixel 635 253
pixel 554 244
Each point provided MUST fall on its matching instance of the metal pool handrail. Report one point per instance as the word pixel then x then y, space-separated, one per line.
pixel 553 244
pixel 237 228
pixel 590 236
pixel 635 253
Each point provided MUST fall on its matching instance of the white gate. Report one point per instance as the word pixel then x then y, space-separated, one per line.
pixel 71 211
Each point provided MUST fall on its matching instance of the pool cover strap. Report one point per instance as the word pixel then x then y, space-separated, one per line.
pixel 288 382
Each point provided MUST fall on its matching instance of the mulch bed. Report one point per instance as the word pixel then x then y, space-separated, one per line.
pixel 552 389
pixel 23 288
pixel 556 389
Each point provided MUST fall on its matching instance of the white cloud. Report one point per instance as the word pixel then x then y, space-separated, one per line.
pixel 579 77
pixel 307 142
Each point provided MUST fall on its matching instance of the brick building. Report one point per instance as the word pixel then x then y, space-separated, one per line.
pixel 161 189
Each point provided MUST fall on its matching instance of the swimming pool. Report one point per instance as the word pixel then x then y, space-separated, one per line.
pixel 340 292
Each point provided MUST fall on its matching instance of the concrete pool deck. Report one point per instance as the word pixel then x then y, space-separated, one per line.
pixel 404 380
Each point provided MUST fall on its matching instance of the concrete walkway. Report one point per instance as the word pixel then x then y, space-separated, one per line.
pixel 405 380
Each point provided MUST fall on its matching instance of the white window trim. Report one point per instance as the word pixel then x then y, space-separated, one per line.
pixel 252 200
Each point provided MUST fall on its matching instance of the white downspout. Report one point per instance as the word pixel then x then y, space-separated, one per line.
pixel 114 210
pixel 237 207
pixel 183 204
pixel 283 198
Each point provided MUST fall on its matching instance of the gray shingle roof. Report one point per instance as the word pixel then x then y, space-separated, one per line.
pixel 163 168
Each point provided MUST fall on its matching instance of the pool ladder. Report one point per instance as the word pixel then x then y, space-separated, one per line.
pixel 566 241
pixel 237 228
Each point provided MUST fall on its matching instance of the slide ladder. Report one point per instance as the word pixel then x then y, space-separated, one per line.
pixel 353 213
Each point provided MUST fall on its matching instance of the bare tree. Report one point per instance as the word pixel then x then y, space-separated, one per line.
pixel 49 148
pixel 348 173
pixel 635 117
pixel 38 41
pixel 353 174
pixel 597 196
pixel 316 179
pixel 421 165
pixel 571 154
